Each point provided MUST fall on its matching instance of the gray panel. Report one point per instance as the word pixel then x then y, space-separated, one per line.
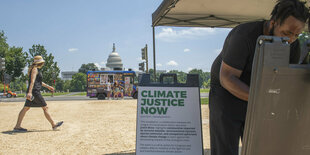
pixel 278 113
pixel 192 80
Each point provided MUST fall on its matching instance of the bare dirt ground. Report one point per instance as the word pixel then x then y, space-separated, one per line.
pixel 90 127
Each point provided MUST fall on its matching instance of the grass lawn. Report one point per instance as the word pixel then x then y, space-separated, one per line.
pixel 79 94
pixel 204 90
pixel 44 94
pixel 55 94
pixel 20 95
pixel 204 100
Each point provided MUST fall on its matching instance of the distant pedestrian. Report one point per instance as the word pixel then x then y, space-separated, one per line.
pixel 121 87
pixel 34 97
pixel 116 90
pixel 109 89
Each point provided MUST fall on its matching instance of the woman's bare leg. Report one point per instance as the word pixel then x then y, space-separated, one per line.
pixel 48 116
pixel 21 116
pixel 115 95
pixel 109 94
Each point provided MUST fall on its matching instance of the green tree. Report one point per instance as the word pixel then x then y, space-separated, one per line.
pixel 15 58
pixel 60 85
pixel 201 75
pixel 78 82
pixel 15 62
pixel 3 45
pixel 88 67
pixel 208 83
pixel 204 84
pixel 303 37
pixel 67 85
pixel 151 72
pixel 18 84
pixel 3 49
pixel 50 70
pixel 181 76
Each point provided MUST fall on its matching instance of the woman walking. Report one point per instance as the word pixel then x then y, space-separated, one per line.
pixel 121 87
pixel 109 89
pixel 34 97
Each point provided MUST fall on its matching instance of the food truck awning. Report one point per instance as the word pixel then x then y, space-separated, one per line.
pixel 211 13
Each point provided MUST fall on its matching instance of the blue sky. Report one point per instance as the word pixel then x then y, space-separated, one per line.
pixel 77 32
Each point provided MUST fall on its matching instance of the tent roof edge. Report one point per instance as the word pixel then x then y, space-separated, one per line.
pixel 163 9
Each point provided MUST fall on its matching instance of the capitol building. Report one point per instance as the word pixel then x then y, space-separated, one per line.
pixel 114 61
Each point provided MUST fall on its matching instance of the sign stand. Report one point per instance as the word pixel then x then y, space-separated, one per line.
pixel 169 116
pixel 278 114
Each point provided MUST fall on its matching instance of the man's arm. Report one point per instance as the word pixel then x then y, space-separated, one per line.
pixel 229 78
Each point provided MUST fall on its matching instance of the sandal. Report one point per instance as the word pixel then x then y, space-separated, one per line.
pixel 20 129
pixel 58 125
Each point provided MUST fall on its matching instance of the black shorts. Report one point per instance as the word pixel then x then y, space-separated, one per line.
pixel 38 101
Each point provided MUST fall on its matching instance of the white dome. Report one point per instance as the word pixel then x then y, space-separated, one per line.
pixel 114 60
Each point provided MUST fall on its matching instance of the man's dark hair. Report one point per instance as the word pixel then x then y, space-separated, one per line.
pixel 286 8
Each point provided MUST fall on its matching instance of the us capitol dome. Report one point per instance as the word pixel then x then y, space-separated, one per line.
pixel 114 61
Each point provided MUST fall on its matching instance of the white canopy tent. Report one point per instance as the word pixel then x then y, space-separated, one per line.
pixel 209 13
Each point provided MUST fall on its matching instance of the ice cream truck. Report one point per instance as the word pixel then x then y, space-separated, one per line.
pixel 98 81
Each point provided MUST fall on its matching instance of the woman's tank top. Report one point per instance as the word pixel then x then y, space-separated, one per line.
pixel 37 83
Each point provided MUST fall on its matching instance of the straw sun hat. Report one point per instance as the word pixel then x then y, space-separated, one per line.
pixel 38 60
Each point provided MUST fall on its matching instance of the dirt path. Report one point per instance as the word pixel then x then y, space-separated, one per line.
pixel 91 127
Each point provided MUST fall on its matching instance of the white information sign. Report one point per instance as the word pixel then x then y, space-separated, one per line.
pixel 169 121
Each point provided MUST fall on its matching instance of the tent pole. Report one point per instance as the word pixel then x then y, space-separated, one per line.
pixel 154 60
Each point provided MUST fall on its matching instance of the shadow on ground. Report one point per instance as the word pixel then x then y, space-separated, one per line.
pixel 12 132
pixel 132 152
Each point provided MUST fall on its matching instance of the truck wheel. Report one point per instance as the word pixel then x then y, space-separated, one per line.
pixel 8 95
pixel 135 95
pixel 101 97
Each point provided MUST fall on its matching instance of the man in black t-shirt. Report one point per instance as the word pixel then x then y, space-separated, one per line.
pixel 231 72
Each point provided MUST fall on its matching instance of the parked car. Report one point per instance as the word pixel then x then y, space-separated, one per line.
pixel 9 94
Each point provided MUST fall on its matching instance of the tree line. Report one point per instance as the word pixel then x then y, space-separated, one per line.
pixel 17 60
pixel 204 77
